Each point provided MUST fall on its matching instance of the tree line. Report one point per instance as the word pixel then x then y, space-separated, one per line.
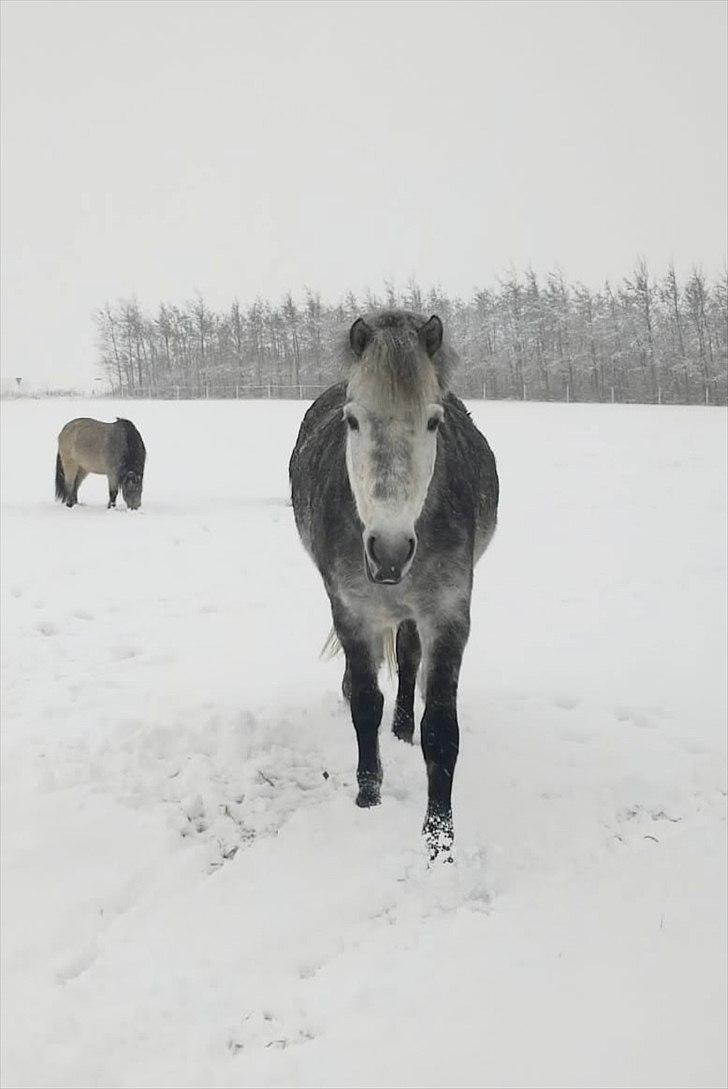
pixel 530 338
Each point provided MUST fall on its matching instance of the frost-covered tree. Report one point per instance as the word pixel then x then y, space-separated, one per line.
pixel 525 336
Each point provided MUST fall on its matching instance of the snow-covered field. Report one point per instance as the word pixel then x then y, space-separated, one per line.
pixel 190 896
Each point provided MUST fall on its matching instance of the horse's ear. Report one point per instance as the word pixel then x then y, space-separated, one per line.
pixel 359 336
pixel 431 335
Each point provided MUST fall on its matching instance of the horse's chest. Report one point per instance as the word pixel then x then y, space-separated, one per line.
pixel 385 606
pixel 378 606
pixel 436 585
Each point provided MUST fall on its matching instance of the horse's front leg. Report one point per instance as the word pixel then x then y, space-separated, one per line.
pixel 366 702
pixel 113 491
pixel 409 653
pixel 439 730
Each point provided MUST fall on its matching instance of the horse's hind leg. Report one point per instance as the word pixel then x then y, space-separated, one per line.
pixel 113 491
pixel 409 655
pixel 81 475
pixel 71 469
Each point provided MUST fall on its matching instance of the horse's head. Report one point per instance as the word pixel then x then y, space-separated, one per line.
pixel 393 410
pixel 131 489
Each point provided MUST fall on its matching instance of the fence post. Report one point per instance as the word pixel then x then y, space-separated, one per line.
pixel 707 394
pixel 568 393
pixel 612 394
pixel 237 392
pixel 269 390
pixel 659 395
pixel 300 392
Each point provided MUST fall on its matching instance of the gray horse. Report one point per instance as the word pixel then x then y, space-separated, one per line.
pixel 395 496
pixel 115 450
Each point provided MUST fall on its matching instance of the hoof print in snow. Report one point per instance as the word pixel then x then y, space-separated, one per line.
pixel 265 1030
pixel 283 1042
pixel 637 822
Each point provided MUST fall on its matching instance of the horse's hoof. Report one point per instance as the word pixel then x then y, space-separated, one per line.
pixel 403 725
pixel 439 837
pixel 370 790
pixel 368 798
pixel 441 858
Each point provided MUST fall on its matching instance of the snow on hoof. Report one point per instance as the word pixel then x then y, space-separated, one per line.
pixel 439 837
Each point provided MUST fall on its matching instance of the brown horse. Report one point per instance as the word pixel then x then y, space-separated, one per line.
pixel 115 450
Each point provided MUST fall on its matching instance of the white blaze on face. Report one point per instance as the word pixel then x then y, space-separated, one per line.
pixel 390 458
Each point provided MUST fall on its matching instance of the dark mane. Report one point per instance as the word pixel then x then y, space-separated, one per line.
pixel 136 452
pixel 395 350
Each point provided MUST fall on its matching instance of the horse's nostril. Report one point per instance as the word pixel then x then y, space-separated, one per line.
pixel 389 555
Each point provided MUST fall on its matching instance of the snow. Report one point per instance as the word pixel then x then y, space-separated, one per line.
pixel 190 896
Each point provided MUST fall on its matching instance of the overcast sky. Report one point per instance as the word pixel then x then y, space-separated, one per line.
pixel 237 149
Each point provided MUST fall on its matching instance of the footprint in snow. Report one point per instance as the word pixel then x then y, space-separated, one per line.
pixel 263 1029
pixel 635 718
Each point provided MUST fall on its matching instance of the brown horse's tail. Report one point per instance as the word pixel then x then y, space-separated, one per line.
pixel 60 480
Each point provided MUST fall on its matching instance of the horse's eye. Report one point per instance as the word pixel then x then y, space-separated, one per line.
pixel 352 423
pixel 433 423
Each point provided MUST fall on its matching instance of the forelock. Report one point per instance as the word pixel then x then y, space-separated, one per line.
pixel 394 370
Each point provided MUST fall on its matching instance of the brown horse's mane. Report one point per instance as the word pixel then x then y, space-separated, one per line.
pixel 136 453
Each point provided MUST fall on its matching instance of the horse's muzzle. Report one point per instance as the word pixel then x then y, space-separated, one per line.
pixel 389 556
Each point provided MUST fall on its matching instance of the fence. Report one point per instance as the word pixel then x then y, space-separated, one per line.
pixel 306 391
pixel 470 389
pixel 214 391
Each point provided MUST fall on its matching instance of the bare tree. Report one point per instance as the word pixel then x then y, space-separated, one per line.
pixel 521 338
